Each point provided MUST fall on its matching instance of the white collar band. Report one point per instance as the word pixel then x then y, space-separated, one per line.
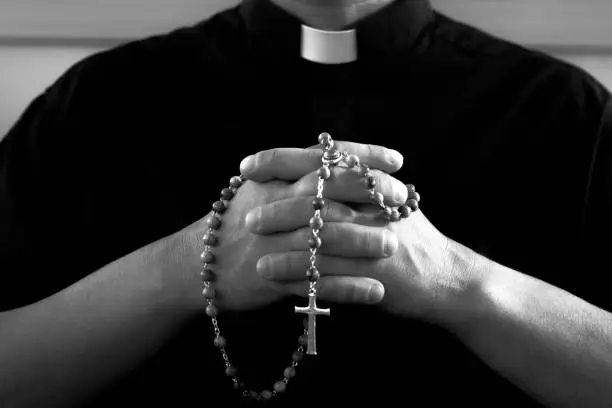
pixel 329 47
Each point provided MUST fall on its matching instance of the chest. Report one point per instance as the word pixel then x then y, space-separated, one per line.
pixel 488 168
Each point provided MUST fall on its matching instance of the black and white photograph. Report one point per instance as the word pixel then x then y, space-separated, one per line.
pixel 305 203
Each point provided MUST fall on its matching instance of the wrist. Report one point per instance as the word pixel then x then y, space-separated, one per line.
pixel 470 273
pixel 176 259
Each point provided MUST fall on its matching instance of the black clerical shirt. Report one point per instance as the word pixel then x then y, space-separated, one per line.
pixel 510 149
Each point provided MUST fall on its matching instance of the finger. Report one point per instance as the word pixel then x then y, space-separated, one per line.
pixel 295 212
pixel 293 266
pixel 281 163
pixel 340 239
pixel 293 163
pixel 375 156
pixel 348 185
pixel 343 289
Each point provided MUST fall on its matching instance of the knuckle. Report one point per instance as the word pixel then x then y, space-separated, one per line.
pixel 271 212
pixel 383 184
pixel 327 210
pixel 376 242
pixel 272 156
pixel 303 187
pixel 299 239
pixel 343 213
pixel 314 154
pixel 265 157
pixel 367 240
pixel 353 293
pixel 286 263
pixel 371 149
pixel 330 235
pixel 381 178
pixel 259 158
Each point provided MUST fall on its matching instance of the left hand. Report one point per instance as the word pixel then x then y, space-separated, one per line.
pixel 424 279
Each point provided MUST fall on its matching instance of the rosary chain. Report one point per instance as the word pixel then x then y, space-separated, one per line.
pixel 330 158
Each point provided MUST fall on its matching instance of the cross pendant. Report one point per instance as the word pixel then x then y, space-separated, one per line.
pixel 312 311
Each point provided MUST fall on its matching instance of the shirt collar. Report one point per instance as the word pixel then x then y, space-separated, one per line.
pixel 392 31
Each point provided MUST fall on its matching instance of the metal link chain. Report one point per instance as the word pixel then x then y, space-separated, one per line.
pixel 329 158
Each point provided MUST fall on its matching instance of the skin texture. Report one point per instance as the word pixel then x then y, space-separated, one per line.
pixel 115 318
pixel 331 15
pixel 551 344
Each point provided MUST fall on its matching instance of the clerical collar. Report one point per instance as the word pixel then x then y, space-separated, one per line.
pixel 329 47
pixel 275 34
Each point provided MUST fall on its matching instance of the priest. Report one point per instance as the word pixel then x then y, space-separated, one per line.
pixel 157 230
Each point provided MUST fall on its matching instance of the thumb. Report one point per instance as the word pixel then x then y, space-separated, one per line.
pixel 344 289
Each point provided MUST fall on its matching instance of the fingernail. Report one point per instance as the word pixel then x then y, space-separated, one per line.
pixel 252 219
pixel 264 267
pixel 390 242
pixel 397 195
pixel 246 164
pixel 376 293
pixel 395 158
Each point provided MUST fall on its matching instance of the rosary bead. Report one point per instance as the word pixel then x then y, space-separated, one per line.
pixel 314 242
pixel 371 182
pixel 395 215
pixel 209 292
pixel 207 275
pixel 305 322
pixel 303 340
pixel 280 386
pixel 207 257
pixel 313 274
pixel 404 211
pixel 387 212
pixel 253 394
pixel 220 342
pixel 212 311
pixel 325 139
pixel 230 371
pixel 414 196
pixel 214 222
pixel 266 394
pixel 366 170
pixel 318 203
pixel 410 188
pixel 379 198
pixel 219 206
pixel 352 161
pixel 297 356
pixel 238 385
pixel 289 372
pixel 210 239
pixel 236 181
pixel 316 222
pixel 413 204
pixel 324 173
pixel 227 194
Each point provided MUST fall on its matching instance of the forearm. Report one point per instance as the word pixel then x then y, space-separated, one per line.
pixel 553 345
pixel 64 348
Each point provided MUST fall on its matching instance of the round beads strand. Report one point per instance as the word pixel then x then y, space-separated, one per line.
pixel 330 158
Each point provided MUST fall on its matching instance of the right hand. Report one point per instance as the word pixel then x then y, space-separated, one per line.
pixel 238 286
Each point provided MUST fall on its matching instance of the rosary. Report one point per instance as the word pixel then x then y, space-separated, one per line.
pixel 331 157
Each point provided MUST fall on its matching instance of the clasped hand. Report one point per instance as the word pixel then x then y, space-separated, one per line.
pixel 407 267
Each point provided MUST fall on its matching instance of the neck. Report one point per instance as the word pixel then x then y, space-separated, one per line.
pixel 331 15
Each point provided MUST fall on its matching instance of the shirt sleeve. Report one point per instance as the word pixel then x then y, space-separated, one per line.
pixel 597 232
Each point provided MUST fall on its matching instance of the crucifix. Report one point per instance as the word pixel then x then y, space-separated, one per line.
pixel 312 311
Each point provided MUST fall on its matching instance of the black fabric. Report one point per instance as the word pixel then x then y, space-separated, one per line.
pixel 510 148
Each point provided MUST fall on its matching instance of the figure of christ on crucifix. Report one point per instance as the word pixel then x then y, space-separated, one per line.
pixel 312 311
